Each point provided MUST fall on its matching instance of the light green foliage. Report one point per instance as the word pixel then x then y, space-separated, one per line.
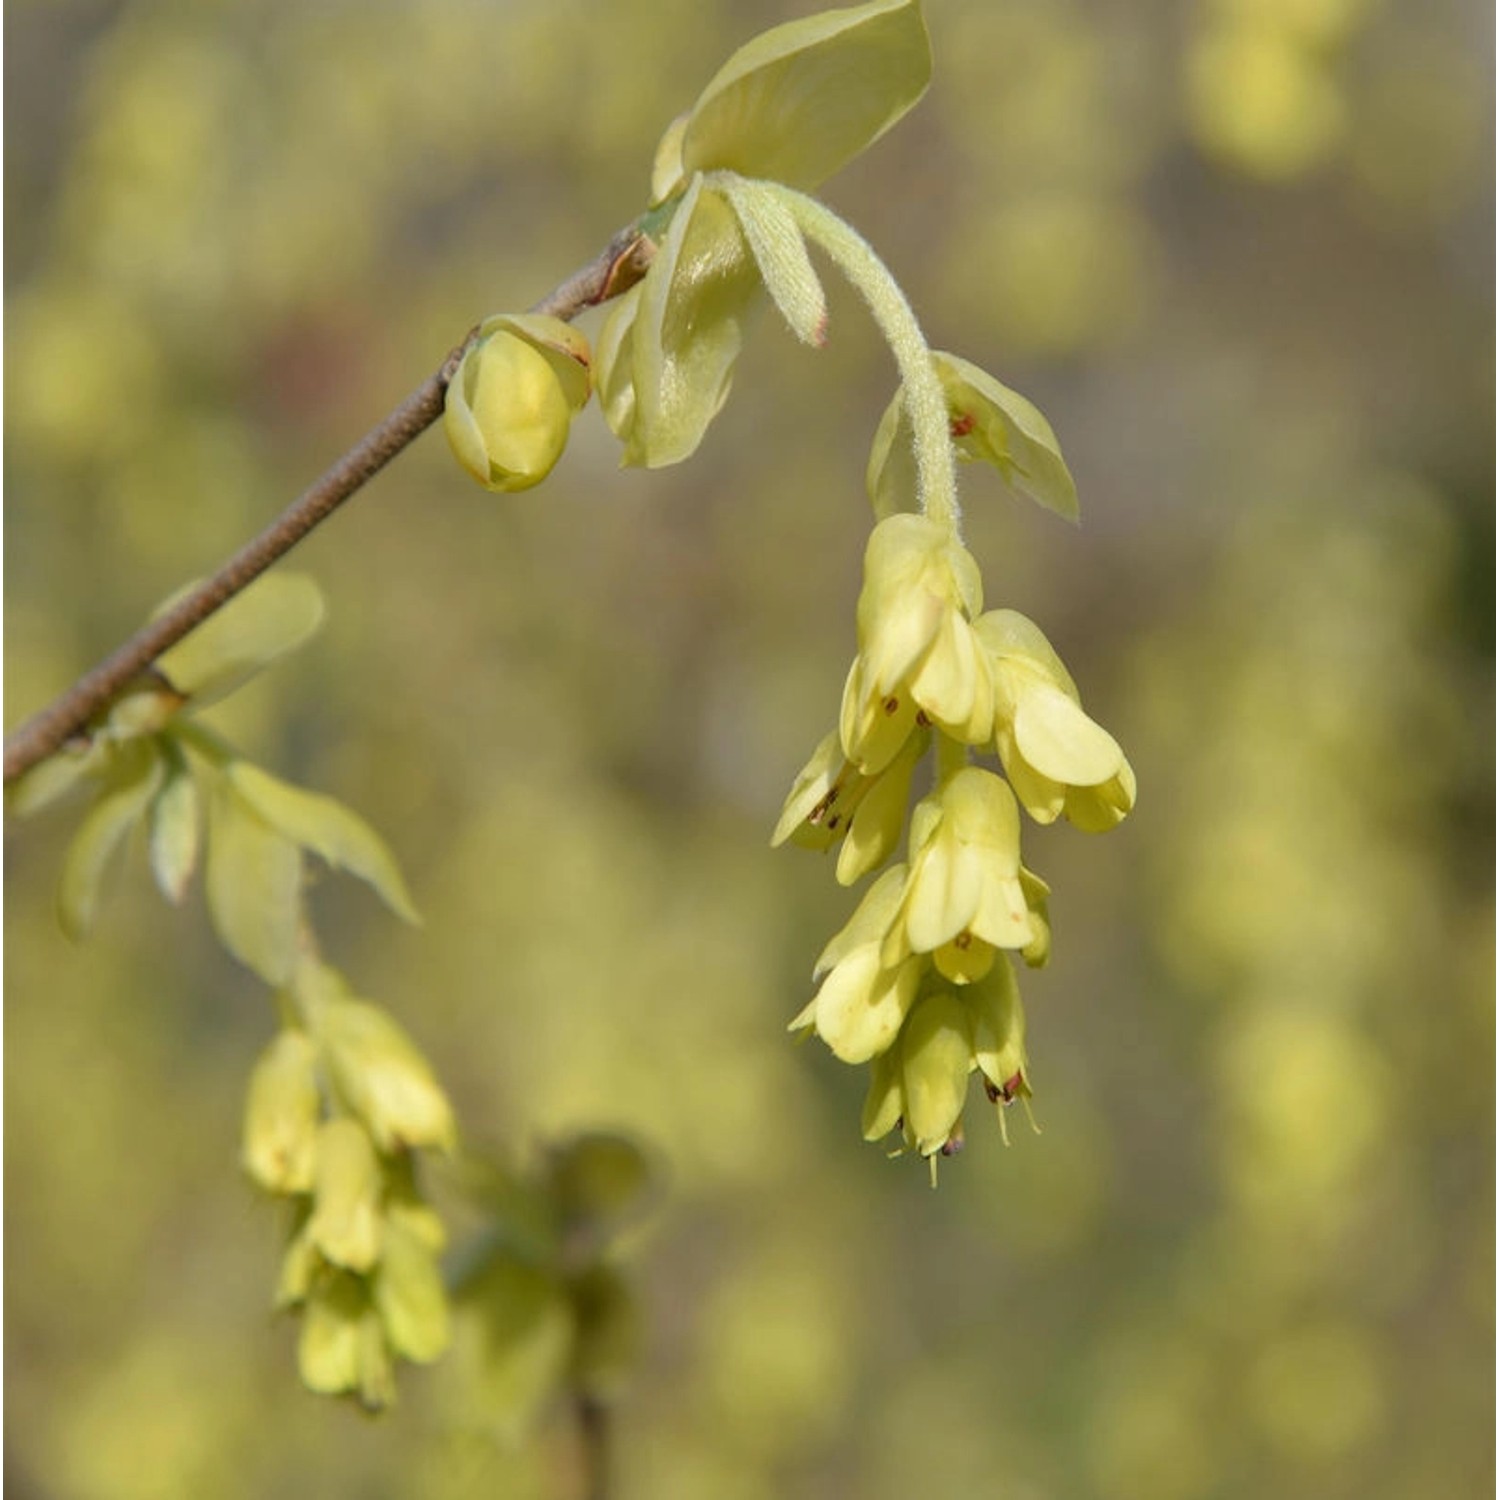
pixel 176 824
pixel 542 1306
pixel 325 828
pixel 1253 1252
pixel 801 100
pixel 252 880
pixel 274 615
pixel 126 793
pixel 791 107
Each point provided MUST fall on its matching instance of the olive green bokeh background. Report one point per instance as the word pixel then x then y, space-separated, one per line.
pixel 1241 255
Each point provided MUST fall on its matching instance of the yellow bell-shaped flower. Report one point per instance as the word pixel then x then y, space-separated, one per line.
pixel 919 660
pixel 1058 760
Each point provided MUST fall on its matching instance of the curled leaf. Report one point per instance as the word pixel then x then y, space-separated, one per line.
pixel 799 101
pixel 176 818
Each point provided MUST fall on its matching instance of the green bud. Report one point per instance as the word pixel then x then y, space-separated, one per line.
pixel 601 1182
pixel 510 402
pixel 281 1115
pixel 346 1222
pixel 378 1072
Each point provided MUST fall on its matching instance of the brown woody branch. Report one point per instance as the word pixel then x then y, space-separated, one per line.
pixel 616 268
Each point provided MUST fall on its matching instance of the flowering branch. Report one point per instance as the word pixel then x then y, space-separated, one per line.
pixel 616 268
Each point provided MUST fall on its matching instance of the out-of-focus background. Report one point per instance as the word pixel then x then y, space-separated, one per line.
pixel 1240 251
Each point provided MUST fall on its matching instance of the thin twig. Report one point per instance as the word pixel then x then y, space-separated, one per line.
pixel 618 266
pixel 593 1443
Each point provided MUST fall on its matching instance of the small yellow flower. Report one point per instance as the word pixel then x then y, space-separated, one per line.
pixel 920 1084
pixel 1057 758
pixel 281 1114
pixel 832 801
pixel 963 895
pixel 380 1075
pixel 919 659
pixel 346 1223
pixel 863 1001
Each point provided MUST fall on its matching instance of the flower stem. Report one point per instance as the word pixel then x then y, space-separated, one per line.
pixel 937 483
pixel 617 267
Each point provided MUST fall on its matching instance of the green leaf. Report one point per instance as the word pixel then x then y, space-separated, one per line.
pixel 799 101
pixel 601 1182
pixel 176 822
pixel 270 617
pixel 614 367
pixel 995 425
pixel 781 256
pixel 326 827
pixel 253 881
pixel 687 331
pixel 51 779
pixel 134 775
pixel 512 1340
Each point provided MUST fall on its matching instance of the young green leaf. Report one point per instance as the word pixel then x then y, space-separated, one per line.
pixel 253 881
pixel 134 776
pixel 327 828
pixel 685 335
pixel 176 820
pixel 51 779
pixel 272 616
pixel 799 101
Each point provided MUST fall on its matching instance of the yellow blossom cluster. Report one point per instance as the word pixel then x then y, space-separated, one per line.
pixel 916 985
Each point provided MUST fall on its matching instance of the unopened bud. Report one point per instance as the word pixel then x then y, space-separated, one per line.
pixel 510 402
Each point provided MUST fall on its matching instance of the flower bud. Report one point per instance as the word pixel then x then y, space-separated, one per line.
pixel 281 1115
pixel 936 1056
pixel 512 398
